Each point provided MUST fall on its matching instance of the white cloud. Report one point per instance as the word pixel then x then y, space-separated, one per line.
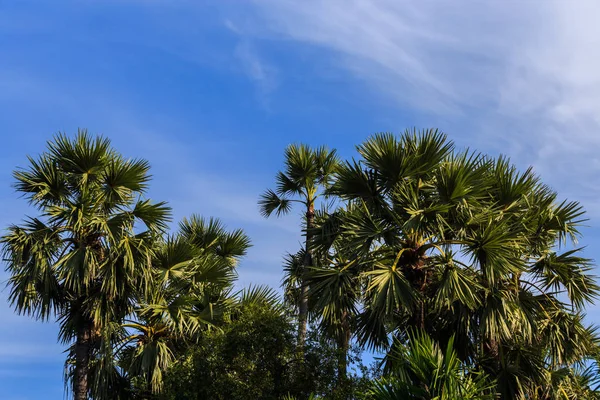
pixel 424 53
pixel 253 65
pixel 519 77
pixel 256 69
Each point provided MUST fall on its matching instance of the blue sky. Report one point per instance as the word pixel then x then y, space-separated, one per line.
pixel 211 92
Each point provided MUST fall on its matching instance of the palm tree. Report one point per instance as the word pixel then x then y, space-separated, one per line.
pixel 84 258
pixel 193 273
pixel 460 244
pixel 420 369
pixel 307 172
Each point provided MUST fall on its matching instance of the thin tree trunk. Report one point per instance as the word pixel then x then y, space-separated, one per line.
pixel 343 348
pixel 303 306
pixel 421 316
pixel 422 288
pixel 82 362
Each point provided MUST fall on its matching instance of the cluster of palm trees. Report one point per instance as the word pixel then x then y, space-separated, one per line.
pixel 98 259
pixel 461 270
pixel 419 247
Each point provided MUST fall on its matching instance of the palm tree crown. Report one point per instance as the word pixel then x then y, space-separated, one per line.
pixel 87 254
pixel 307 172
pixel 192 277
pixel 457 244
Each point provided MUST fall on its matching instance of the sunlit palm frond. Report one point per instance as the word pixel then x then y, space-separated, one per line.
pixel 201 232
pixel 259 295
pixel 301 166
pixel 30 253
pixel 151 354
pixel 496 248
pixel 334 294
pixel 497 313
pixel 211 236
pixel 155 216
pixel 420 369
pixel 172 260
pixel 234 245
pixel 84 156
pixel 43 183
pixel 121 178
pixel 354 182
pixel 567 339
pixel 210 269
pixel 286 186
pixel 570 273
pixel 509 185
pixel 415 154
pixel 457 284
pixel 328 163
pixel 460 178
pixel 388 290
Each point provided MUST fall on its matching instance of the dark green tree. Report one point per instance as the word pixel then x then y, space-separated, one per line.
pixel 254 356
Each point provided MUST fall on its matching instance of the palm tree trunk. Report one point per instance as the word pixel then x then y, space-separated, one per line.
pixel 421 315
pixel 491 349
pixel 303 306
pixel 343 348
pixel 422 285
pixel 82 362
pixel 302 315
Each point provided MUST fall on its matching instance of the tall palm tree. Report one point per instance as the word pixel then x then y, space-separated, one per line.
pixel 307 172
pixel 457 243
pixel 85 257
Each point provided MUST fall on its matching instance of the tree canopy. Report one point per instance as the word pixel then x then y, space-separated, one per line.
pixel 460 272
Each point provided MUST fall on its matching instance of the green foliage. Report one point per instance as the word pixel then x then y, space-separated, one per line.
pixel 189 295
pixel 459 245
pixel 84 258
pixel 97 259
pixel 306 170
pixel 254 356
pixel 470 265
pixel 247 359
pixel 420 369
pixel 307 173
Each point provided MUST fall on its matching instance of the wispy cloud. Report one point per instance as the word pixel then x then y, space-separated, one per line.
pixel 255 67
pixel 262 73
pixel 420 52
pixel 518 78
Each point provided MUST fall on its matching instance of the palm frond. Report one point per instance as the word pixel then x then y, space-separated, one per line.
pixel 388 290
pixel 259 295
pixel 568 272
pixel 155 216
pixel 270 203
